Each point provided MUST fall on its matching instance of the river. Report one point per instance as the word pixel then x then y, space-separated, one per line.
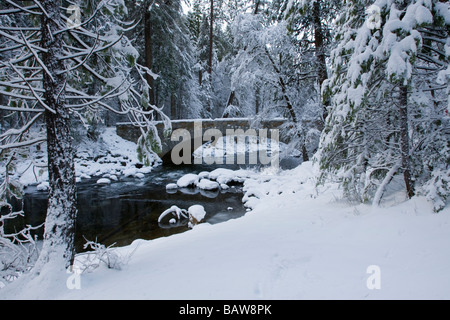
pixel 128 209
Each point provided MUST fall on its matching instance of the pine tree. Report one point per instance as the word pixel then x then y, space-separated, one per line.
pixel 376 70
pixel 48 62
pixel 162 37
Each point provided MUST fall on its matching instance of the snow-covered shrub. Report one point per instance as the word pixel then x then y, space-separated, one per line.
pixel 387 115
pixel 18 250
pixel 148 146
pixel 101 254
pixel 437 189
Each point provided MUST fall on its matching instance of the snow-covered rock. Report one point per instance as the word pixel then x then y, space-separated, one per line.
pixel 171 186
pixel 139 175
pixel 203 174
pixel 207 184
pixel 188 180
pixel 129 172
pixel 42 186
pixel 221 173
pixel 225 176
pixel 196 214
pixel 103 181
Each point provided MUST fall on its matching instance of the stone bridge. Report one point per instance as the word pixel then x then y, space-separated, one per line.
pixel 195 132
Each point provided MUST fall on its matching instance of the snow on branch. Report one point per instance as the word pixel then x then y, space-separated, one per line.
pixel 19 9
pixel 18 250
pixel 174 210
pixel 101 254
pixel 90 50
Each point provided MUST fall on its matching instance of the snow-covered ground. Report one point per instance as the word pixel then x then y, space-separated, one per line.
pixel 109 158
pixel 297 242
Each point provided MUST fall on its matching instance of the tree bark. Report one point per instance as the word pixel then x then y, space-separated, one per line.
pixel 404 141
pixel 173 107
pixel 148 43
pixel 257 3
pixel 61 212
pixel 320 50
pixel 257 99
pixel 211 24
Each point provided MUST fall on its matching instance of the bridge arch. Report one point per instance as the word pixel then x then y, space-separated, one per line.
pixel 188 135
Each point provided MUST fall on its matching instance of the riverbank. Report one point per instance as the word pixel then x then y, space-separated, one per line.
pixel 107 159
pixel 297 242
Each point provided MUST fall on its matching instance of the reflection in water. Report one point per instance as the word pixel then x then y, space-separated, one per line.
pixel 129 209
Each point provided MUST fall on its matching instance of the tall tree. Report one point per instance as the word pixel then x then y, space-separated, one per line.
pixel 162 38
pixel 378 91
pixel 211 28
pixel 45 54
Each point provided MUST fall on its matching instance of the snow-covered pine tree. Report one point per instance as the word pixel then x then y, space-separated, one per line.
pixel 379 96
pixel 173 60
pixel 162 37
pixel 46 57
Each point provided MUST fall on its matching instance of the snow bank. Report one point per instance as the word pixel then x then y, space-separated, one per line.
pixel 299 241
pixel 110 157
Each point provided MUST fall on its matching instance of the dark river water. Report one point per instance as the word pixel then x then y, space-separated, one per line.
pixel 128 209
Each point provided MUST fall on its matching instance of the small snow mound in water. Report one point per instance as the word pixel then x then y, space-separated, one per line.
pixel 103 181
pixel 188 180
pixel 207 184
pixel 196 214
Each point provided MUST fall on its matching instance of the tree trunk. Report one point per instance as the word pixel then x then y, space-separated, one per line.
pixel 61 212
pixel 211 24
pixel 148 43
pixel 231 98
pixel 257 99
pixel 404 141
pixel 320 50
pixel 257 3
pixel 173 107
